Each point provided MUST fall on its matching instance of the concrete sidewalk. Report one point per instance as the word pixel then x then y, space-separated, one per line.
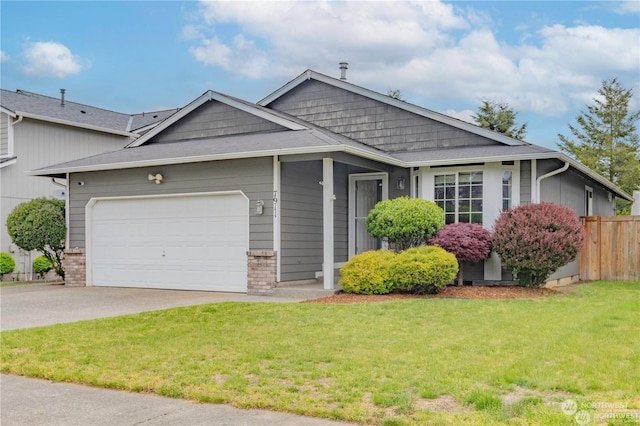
pixel 31 402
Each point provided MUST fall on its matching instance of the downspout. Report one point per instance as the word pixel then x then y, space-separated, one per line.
pixel 551 173
pixel 64 185
pixel 20 117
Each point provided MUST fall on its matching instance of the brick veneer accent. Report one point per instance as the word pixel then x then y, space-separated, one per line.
pixel 75 267
pixel 261 272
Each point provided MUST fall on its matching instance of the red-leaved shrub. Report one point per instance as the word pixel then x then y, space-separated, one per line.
pixel 534 240
pixel 469 242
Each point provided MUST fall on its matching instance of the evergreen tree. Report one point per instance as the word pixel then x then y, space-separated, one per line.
pixel 606 140
pixel 500 117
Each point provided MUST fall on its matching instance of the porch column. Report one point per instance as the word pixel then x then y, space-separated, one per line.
pixel 327 221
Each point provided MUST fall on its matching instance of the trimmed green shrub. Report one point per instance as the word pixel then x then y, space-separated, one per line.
pixel 423 270
pixel 367 273
pixel 7 264
pixel 40 225
pixel 534 240
pixel 405 222
pixel 41 265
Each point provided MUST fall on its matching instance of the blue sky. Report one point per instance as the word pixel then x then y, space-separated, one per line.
pixel 545 58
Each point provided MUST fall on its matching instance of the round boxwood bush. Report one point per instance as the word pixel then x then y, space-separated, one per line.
pixel 405 222
pixel 7 264
pixel 41 265
pixel 367 273
pixel 423 270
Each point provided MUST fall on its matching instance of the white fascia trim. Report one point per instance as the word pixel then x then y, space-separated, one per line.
pixel 10 113
pixel 487 159
pixel 216 157
pixel 595 176
pixel 8 163
pixel 75 124
pixel 415 109
pixel 307 75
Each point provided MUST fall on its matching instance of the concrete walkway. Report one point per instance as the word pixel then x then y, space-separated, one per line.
pixel 25 401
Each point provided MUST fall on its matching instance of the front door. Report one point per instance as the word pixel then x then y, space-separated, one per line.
pixel 366 191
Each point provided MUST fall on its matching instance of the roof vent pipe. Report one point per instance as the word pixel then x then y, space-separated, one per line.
pixel 344 66
pixel 62 97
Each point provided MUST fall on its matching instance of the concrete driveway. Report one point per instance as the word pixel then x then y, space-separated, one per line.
pixel 26 401
pixel 46 304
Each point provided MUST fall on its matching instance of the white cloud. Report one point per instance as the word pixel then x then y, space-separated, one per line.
pixel 464 115
pixel 50 58
pixel 626 7
pixel 429 48
pixel 3 57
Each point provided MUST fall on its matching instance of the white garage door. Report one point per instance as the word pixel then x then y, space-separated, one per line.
pixel 185 242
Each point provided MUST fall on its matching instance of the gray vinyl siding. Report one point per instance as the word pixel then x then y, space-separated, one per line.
pixel 215 119
pixel 301 221
pixel 525 182
pixel 254 177
pixel 568 189
pixel 341 212
pixel 369 121
pixel 4 135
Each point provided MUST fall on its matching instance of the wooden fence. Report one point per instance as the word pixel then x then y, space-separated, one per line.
pixel 612 248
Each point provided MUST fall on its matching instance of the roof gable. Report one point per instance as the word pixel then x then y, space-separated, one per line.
pixel 224 116
pixel 374 118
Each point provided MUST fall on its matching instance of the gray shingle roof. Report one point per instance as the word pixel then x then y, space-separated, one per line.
pixel 206 149
pixel 80 114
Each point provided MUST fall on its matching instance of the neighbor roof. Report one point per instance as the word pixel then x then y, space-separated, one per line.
pixel 46 108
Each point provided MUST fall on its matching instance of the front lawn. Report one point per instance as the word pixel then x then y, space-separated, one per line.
pixel 413 361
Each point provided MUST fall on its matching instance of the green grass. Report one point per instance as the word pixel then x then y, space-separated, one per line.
pixel 415 361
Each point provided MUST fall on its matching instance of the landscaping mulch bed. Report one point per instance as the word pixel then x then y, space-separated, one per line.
pixel 464 292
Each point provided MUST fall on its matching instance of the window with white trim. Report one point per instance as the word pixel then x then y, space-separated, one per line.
pixel 507 189
pixel 459 194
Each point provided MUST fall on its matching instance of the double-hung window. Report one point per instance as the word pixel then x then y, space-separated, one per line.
pixel 459 194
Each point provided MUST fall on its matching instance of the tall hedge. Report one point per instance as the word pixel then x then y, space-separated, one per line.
pixel 535 240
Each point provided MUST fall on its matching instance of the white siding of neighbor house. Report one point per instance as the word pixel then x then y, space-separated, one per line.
pixel 254 177
pixel 4 135
pixel 38 144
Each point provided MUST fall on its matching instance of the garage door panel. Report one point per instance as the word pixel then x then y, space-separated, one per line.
pixel 196 242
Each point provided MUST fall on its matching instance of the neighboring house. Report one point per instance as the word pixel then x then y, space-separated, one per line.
pixel 37 130
pixel 279 191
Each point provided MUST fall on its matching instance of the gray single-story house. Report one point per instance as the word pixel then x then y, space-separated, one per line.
pixel 227 195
